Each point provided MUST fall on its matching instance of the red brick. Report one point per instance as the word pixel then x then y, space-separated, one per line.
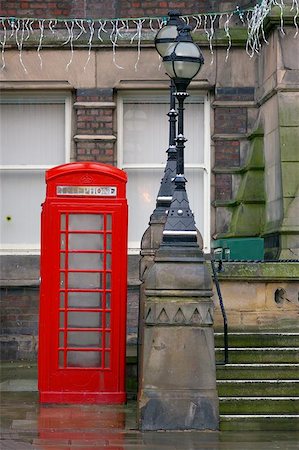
pixel 227 153
pixel 223 184
pixel 231 120
pixel 24 5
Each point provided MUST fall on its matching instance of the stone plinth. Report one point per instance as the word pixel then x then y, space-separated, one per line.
pixel 177 385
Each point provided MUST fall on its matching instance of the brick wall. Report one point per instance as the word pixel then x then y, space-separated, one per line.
pixel 113 8
pixel 230 120
pixel 223 186
pixel 231 126
pixel 227 153
pixel 94 109
pixel 19 323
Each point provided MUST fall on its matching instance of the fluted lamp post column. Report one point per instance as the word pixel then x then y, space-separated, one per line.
pixel 177 386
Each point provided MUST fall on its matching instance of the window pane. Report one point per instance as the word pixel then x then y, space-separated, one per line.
pixel 85 300
pixel 84 359
pixel 21 195
pixel 87 222
pixel 85 280
pixel 194 132
pixel 84 319
pixel 143 186
pixel 85 261
pixel 195 191
pixel 32 134
pixel 86 241
pixel 146 132
pixel 145 141
pixel 84 339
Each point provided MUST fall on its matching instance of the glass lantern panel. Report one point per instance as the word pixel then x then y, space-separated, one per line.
pixel 169 68
pixel 167 32
pixel 186 69
pixel 187 49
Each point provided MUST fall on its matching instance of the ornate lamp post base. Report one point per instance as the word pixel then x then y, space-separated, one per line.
pixel 178 382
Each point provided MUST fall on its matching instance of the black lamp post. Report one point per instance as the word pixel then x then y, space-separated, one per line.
pixel 182 61
pixel 165 193
pixel 164 39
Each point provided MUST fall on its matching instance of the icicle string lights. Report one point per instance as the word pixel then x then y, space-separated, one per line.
pixel 89 32
pixel 3 42
pixel 256 21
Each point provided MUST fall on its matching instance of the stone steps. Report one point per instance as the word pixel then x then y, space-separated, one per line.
pixel 284 371
pixel 267 339
pixel 230 388
pixel 260 354
pixel 253 422
pixel 259 388
pixel 260 405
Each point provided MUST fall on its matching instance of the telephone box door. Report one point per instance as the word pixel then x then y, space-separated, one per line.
pixel 83 288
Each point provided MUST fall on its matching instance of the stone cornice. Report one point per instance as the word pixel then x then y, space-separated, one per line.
pixel 238 35
pixel 260 271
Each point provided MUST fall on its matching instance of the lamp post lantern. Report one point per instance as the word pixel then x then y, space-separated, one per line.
pixel 167 34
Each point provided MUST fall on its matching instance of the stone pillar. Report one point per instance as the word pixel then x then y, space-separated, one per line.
pixel 177 387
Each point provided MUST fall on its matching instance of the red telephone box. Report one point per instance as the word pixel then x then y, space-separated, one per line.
pixel 82 324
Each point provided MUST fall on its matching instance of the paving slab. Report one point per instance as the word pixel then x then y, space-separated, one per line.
pixel 28 425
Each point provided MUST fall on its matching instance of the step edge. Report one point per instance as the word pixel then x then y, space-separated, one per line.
pixel 292 398
pixel 265 416
pixel 259 381
pixel 258 348
pixel 263 365
pixel 267 333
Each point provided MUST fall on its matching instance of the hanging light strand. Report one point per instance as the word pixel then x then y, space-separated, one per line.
pixel 90 31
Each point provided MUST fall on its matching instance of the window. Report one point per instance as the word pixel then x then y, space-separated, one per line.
pixel 142 144
pixel 34 136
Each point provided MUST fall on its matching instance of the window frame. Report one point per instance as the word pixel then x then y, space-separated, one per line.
pixel 36 97
pixel 205 167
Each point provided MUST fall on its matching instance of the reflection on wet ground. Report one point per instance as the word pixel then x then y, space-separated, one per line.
pixel 28 425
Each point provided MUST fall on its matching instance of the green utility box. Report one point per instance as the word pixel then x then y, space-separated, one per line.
pixel 238 249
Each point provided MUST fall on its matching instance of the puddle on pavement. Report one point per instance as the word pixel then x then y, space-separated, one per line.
pixel 28 425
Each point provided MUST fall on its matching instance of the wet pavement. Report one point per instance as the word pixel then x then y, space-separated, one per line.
pixel 28 425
